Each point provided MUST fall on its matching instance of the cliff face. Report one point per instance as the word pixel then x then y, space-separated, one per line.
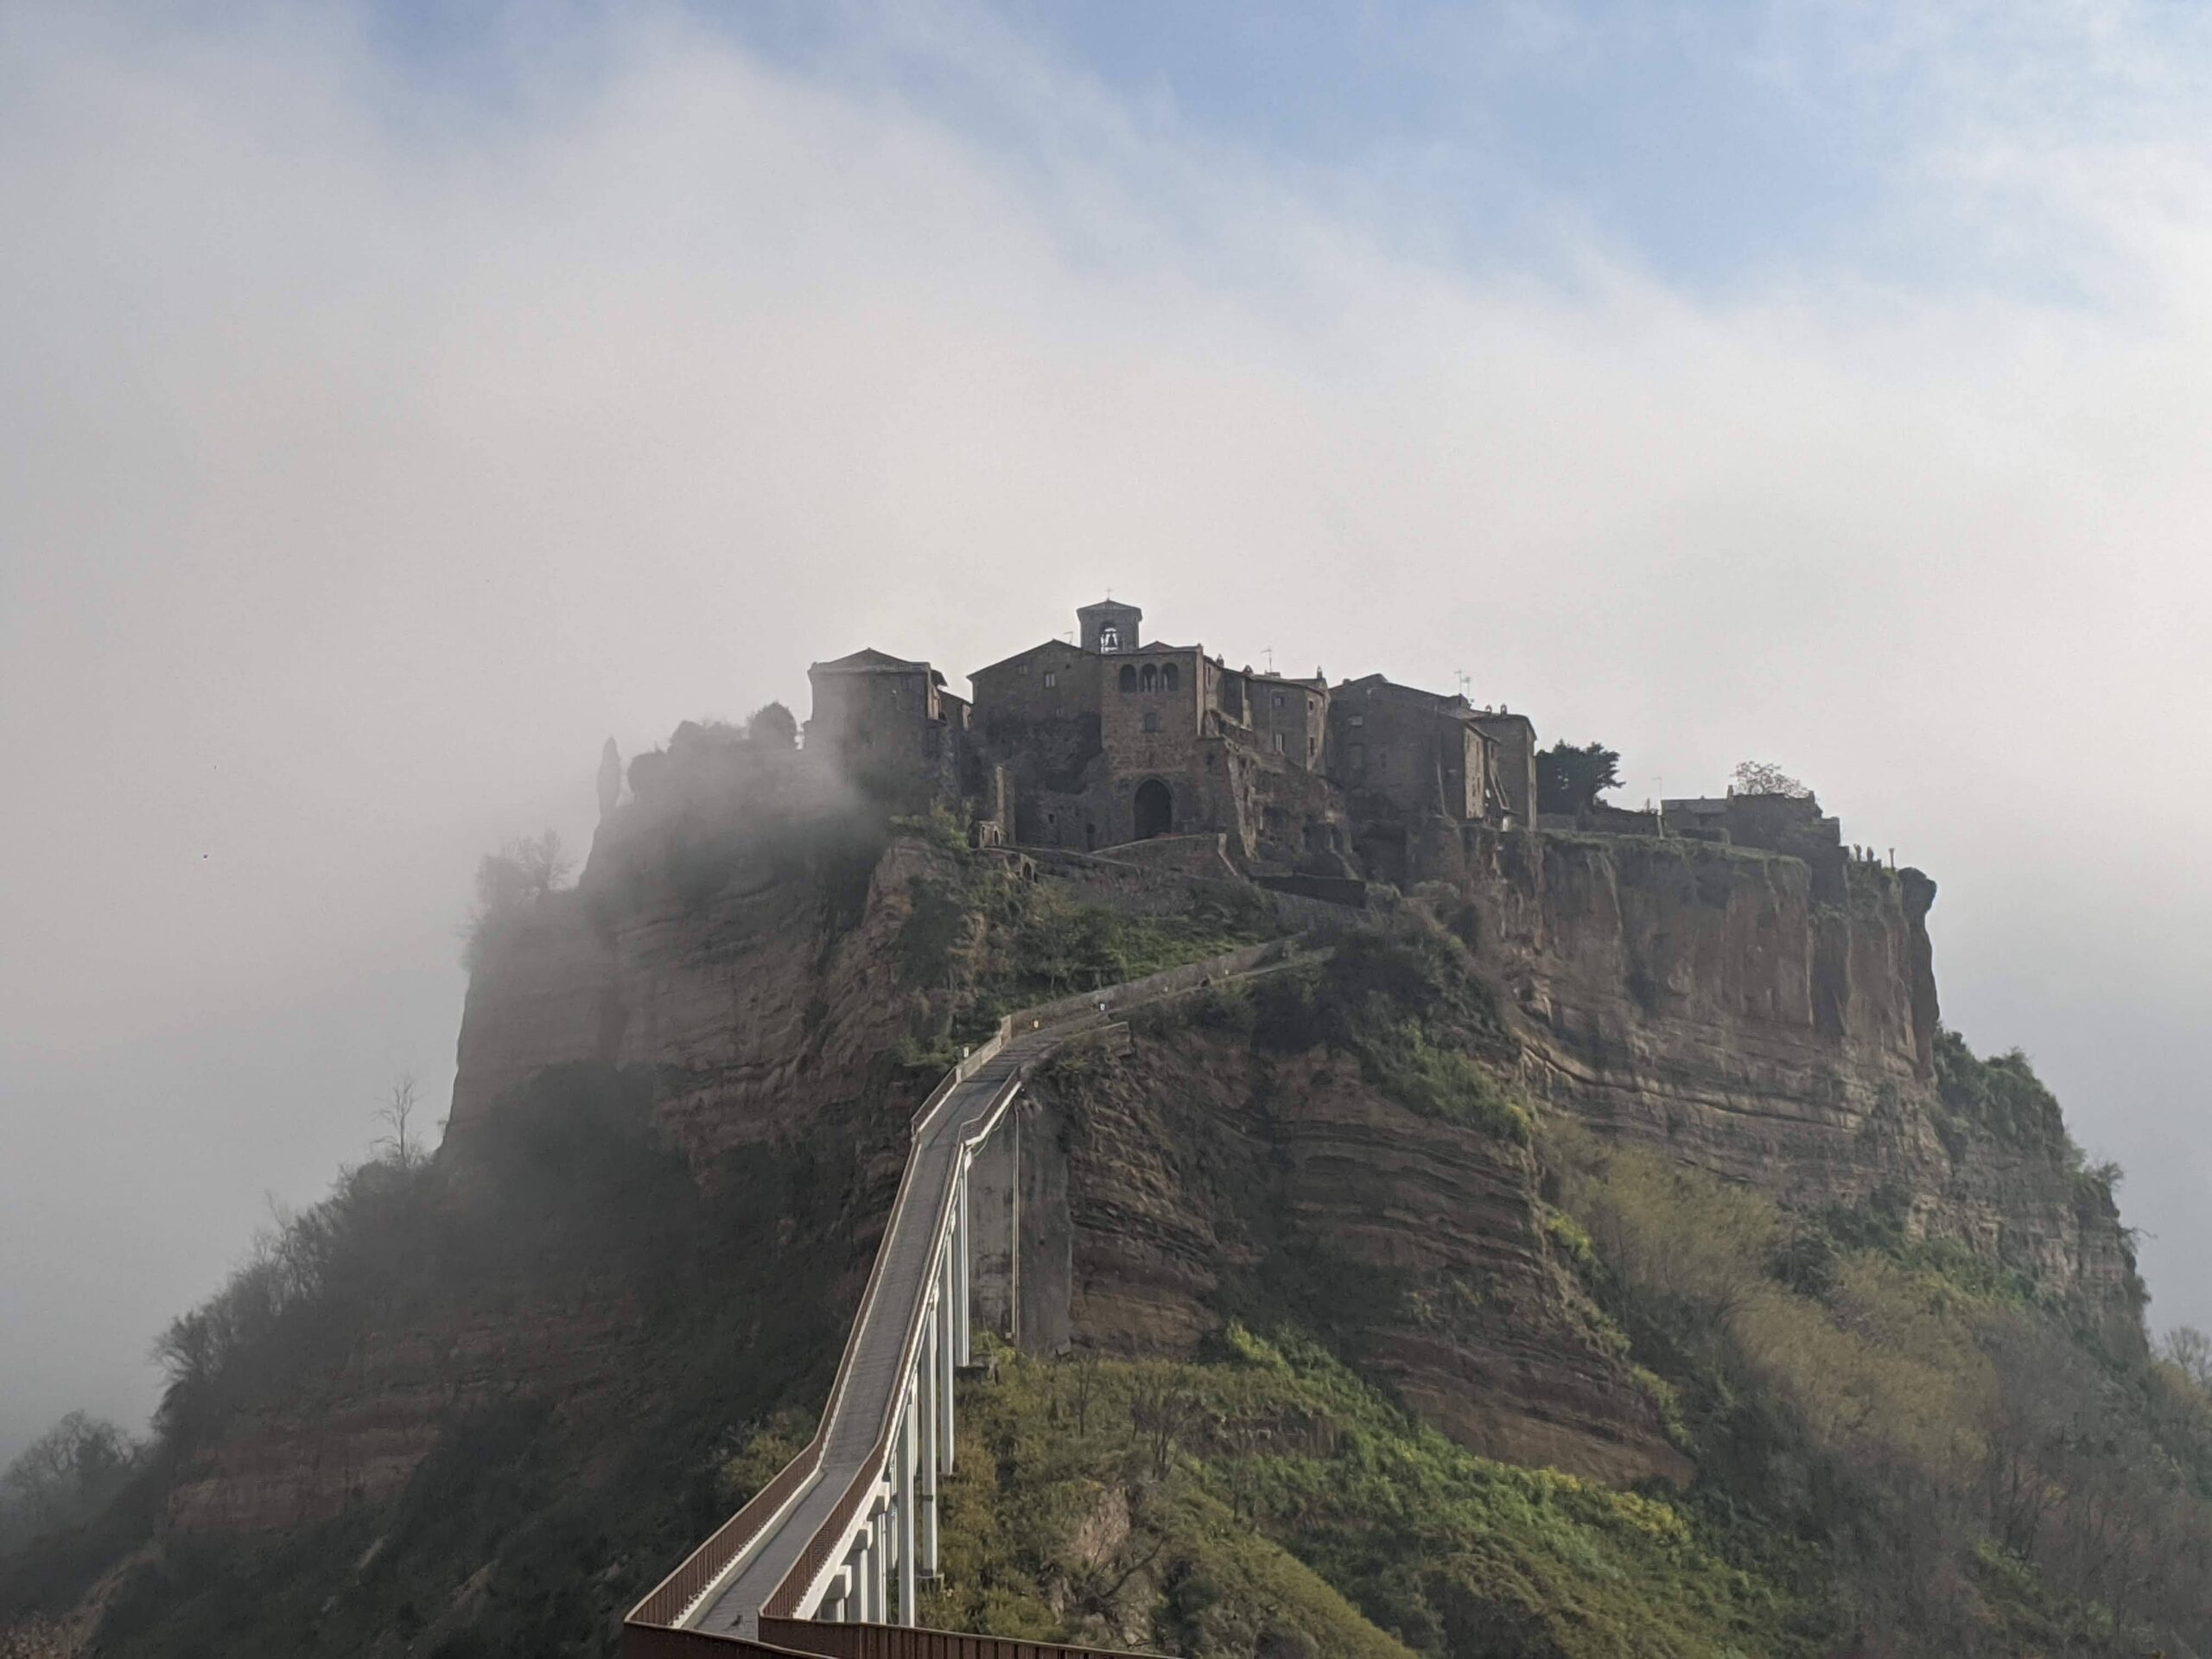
pixel 1207 1180
pixel 1698 997
pixel 1691 995
pixel 726 941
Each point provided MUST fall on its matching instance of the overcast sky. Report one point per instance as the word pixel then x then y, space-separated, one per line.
pixel 397 401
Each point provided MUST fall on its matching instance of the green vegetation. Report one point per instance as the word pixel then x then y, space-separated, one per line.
pixel 2002 1096
pixel 1407 1002
pixel 1570 779
pixel 1900 1433
pixel 1268 1501
pixel 989 942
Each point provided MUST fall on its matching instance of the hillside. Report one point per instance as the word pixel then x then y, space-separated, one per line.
pixel 1606 1251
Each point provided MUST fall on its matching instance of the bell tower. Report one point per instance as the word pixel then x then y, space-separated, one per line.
pixel 1109 627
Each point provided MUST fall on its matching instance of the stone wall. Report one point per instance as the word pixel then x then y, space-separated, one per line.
pixel 1052 682
pixel 1407 754
pixel 1290 719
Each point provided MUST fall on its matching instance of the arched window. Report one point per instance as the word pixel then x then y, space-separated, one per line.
pixel 1151 720
pixel 1129 676
pixel 1148 678
pixel 1109 638
pixel 1168 675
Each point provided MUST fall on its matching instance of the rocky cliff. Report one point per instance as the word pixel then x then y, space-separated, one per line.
pixel 733 931
pixel 1207 1179
pixel 1697 996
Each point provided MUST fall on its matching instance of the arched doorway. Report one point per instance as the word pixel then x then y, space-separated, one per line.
pixel 1155 809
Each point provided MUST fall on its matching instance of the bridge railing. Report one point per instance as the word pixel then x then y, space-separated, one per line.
pixel 674 1598
pixel 675 1595
pixel 913 1642
pixel 824 1547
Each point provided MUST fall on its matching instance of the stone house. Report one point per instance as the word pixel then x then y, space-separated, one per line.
pixel 1115 738
pixel 1405 754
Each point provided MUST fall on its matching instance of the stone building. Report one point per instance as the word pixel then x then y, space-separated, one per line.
pixel 890 724
pixel 1512 741
pixel 1115 738
pixel 1407 754
pixel 1119 738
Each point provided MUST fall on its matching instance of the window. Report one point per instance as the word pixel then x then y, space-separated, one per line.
pixel 1149 678
pixel 1109 638
pixel 1169 674
pixel 1129 676
pixel 1278 742
pixel 1278 703
pixel 1051 679
pixel 1359 757
pixel 1359 720
pixel 1313 748
pixel 1151 720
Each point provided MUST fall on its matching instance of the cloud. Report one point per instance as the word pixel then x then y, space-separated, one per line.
pixel 374 444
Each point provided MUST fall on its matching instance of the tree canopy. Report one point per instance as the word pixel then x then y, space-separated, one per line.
pixel 774 726
pixel 1569 779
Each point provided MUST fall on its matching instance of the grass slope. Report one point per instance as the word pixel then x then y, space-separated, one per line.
pixel 1268 1502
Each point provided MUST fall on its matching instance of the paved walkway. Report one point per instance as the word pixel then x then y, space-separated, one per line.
pixel 876 1375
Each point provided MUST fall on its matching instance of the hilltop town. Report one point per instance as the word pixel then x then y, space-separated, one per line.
pixel 1116 740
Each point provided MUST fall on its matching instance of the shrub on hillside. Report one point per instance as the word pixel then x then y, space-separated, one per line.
pixel 1906 1412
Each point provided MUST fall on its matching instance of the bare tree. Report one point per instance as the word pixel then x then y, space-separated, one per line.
pixel 397 1114
pixel 67 1470
pixel 1764 777
pixel 2189 1350
pixel 523 871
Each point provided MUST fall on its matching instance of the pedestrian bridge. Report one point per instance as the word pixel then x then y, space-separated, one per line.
pixel 827 1558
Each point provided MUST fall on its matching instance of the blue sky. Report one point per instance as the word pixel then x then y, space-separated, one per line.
pixel 396 400
pixel 1716 146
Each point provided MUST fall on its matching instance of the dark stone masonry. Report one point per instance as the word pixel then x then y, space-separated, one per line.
pixel 1120 738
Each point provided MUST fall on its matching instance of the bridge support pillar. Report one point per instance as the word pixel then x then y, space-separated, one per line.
pixel 879 1546
pixel 904 1451
pixel 854 1608
pixel 946 1355
pixel 963 1244
pixel 926 1415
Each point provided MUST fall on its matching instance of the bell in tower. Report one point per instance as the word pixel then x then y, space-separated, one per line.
pixel 1109 627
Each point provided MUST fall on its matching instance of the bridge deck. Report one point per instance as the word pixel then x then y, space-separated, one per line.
pixel 877 1373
